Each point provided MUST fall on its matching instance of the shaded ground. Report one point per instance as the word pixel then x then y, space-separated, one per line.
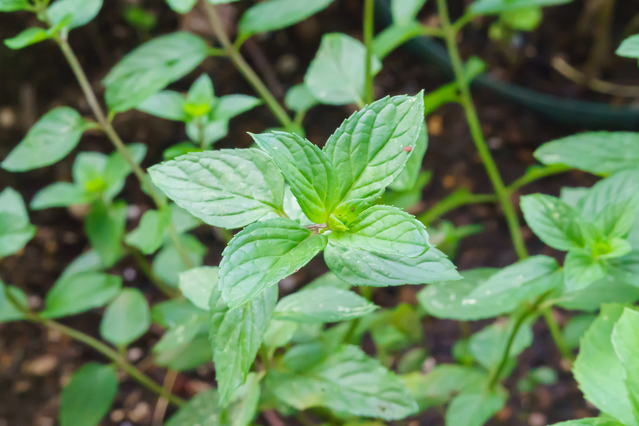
pixel 34 363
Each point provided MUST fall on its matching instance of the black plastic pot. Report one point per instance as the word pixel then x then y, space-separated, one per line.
pixel 583 114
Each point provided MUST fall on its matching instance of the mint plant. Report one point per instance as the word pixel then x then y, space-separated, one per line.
pixel 275 206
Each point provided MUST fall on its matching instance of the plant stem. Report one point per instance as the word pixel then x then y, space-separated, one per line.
pixel 244 68
pixel 536 175
pixel 146 269
pixel 163 401
pixel 431 31
pixel 94 343
pixel 105 350
pixel 461 22
pixel 519 321
pixel 557 335
pixel 452 202
pixel 476 132
pixel 108 129
pixel 369 15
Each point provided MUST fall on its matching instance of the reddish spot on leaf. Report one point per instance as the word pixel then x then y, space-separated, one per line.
pixel 408 148
pixel 296 270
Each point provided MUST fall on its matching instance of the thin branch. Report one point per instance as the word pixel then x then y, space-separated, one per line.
pixel 476 132
pixel 94 343
pixel 108 129
pixel 244 68
pixel 369 15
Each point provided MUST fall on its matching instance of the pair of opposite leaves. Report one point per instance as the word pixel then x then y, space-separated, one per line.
pixel 333 189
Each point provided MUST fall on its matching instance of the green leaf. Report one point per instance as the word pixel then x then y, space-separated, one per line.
pixel 327 279
pixel 117 168
pixel 307 170
pixel 48 141
pixel 573 196
pixel 520 282
pixel 475 408
pixel 152 66
pixel 183 220
pixel 88 171
pixel 188 356
pixel 262 254
pixel 139 18
pixel 148 236
pixel 625 340
pixel 200 97
pixel 486 294
pixel 205 131
pixel 200 410
pixel 279 333
pixel 292 208
pixel 615 189
pixel 80 292
pixel 73 13
pixel 361 267
pixel 27 37
pixel 237 337
pixel 394 36
pixel 525 19
pixel 617 219
pixel 629 48
pixel 346 381
pixel 126 318
pixel 581 270
pixel 607 290
pixel 385 229
pixel 179 149
pixel 553 221
pixel 15 229
pixel 490 7
pixel 181 6
pixel 89 395
pixel 599 371
pixel 168 263
pixel 59 194
pixel 594 421
pixel 299 98
pixel 190 327
pixel 371 148
pixel 243 406
pixel 442 383
pixel 166 104
pixel 446 299
pixel 336 74
pixel 198 283
pixel 229 106
pixel 405 11
pixel 488 345
pixel 8 311
pixel 575 328
pixel 88 261
pixel 601 153
pixel 14 5
pixel 175 312
pixel 408 199
pixel 277 14
pixel 407 179
pixel 104 226
pixel 323 304
pixel 225 188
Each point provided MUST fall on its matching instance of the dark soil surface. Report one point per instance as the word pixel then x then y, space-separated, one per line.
pixel 35 363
